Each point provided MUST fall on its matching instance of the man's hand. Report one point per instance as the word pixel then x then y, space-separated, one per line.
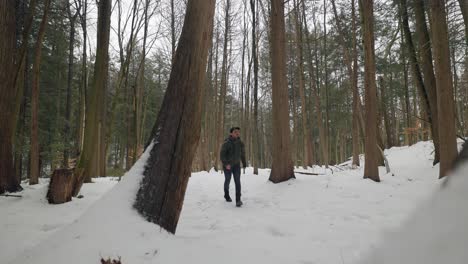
pixel 228 167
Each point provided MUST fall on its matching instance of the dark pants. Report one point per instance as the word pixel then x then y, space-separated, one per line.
pixel 236 170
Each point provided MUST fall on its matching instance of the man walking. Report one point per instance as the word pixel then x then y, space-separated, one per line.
pixel 232 152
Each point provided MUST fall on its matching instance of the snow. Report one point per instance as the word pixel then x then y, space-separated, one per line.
pixel 333 218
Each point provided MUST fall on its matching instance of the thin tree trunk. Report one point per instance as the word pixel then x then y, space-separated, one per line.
pixel 256 135
pixel 314 91
pixel 71 46
pixel 35 169
pixel 84 80
pixel 223 91
pixel 282 168
pixel 308 154
pixel 445 101
pixel 428 72
pixel 464 11
pixel 161 194
pixel 371 170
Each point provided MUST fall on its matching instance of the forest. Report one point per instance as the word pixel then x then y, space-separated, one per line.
pixel 86 86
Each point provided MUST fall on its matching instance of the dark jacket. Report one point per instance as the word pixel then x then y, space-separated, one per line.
pixel 233 152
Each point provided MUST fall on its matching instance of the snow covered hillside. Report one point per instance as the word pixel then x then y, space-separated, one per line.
pixel 332 218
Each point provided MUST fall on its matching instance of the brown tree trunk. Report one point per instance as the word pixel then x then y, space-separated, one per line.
pixel 161 194
pixel 223 91
pixel 314 92
pixel 428 72
pixel 308 154
pixel 71 46
pixel 445 101
pixel 464 11
pixel 256 134
pixel 34 158
pixel 8 181
pixel 84 80
pixel 371 170
pixel 417 76
pixel 60 186
pixel 282 168
pixel 90 159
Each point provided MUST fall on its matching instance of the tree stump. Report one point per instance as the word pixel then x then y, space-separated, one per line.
pixel 60 186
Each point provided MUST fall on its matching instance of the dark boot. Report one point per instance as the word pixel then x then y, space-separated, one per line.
pixel 228 198
pixel 239 203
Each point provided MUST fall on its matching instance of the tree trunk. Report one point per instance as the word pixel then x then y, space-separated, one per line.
pixel 256 134
pixel 90 159
pixel 71 45
pixel 60 186
pixel 34 159
pixel 445 101
pixel 8 181
pixel 464 11
pixel 371 170
pixel 428 72
pixel 223 91
pixel 314 91
pixel 417 76
pixel 84 80
pixel 282 168
pixel 308 154
pixel 161 194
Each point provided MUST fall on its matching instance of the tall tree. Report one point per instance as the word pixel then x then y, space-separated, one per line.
pixel 256 135
pixel 90 158
pixel 8 181
pixel 445 101
pixel 84 76
pixel 177 129
pixel 71 47
pixel 425 54
pixel 34 156
pixel 224 76
pixel 282 168
pixel 308 147
pixel 371 169
pixel 430 110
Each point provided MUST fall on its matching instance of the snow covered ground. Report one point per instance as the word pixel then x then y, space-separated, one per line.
pixel 332 218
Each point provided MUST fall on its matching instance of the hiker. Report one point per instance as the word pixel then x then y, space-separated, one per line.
pixel 232 152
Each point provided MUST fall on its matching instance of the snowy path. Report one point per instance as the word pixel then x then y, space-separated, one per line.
pixel 333 218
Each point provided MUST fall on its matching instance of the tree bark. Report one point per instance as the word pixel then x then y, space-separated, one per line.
pixel 90 159
pixel 371 170
pixel 445 101
pixel 223 87
pixel 282 167
pixel 34 158
pixel 71 46
pixel 8 181
pixel 314 91
pixel 308 153
pixel 177 129
pixel 428 72
pixel 256 135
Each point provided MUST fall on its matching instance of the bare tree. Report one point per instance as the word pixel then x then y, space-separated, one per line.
pixel 371 170
pixel 8 181
pixel 34 156
pixel 177 129
pixel 282 168
pixel 90 159
pixel 445 101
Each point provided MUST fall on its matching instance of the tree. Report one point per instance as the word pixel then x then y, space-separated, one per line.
pixel 8 181
pixel 282 168
pixel 445 101
pixel 224 76
pixel 177 129
pixel 371 169
pixel 90 158
pixel 34 157
pixel 256 138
